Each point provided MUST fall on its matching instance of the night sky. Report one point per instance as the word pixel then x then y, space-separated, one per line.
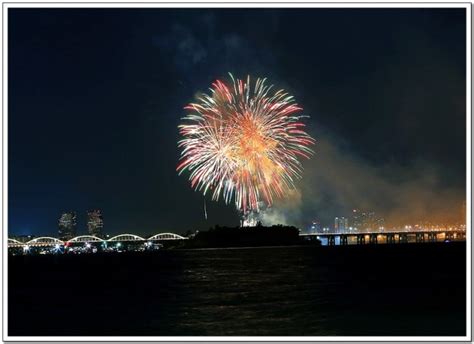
pixel 96 95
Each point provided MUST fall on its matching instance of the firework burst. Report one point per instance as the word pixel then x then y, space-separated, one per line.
pixel 244 143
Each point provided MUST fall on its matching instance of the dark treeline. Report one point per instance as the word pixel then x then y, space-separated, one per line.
pixel 245 236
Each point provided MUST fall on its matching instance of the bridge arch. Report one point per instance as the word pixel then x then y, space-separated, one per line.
pixel 126 237
pixel 45 241
pixel 15 243
pixel 166 236
pixel 85 238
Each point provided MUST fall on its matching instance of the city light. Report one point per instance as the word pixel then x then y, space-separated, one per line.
pixel 340 235
pixel 95 222
pixel 51 245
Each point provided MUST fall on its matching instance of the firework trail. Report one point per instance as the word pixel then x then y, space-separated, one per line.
pixel 243 142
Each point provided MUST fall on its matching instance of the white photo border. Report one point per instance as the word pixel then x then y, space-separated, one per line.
pixel 220 4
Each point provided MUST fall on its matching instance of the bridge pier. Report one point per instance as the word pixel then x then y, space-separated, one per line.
pixel 432 237
pixel 373 238
pixel 360 239
pixel 331 240
pixel 343 239
pixel 420 237
pixel 402 238
pixel 390 238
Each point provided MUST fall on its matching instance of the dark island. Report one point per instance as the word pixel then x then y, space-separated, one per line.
pixel 220 237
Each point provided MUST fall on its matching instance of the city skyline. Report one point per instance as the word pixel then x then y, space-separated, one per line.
pixel 358 220
pixel 106 136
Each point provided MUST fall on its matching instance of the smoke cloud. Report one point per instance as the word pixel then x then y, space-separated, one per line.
pixel 284 212
pixel 337 181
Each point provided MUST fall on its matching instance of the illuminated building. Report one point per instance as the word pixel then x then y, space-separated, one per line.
pixel 67 225
pixel 341 224
pixel 95 222
pixel 356 219
pixel 315 227
pixel 380 223
pixel 368 220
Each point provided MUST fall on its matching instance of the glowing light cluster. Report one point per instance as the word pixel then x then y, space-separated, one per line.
pixel 244 142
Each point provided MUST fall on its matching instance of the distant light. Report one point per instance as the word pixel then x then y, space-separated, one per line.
pixel 26 248
pixel 56 246
pixel 88 245
pixel 119 244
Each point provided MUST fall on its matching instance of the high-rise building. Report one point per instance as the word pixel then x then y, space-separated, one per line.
pixel 366 220
pixel 95 222
pixel 356 219
pixel 67 225
pixel 315 227
pixel 341 224
pixel 380 223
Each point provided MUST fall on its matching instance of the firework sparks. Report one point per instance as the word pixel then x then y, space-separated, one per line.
pixel 244 143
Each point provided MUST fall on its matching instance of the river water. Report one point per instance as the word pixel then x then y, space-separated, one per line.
pixel 385 290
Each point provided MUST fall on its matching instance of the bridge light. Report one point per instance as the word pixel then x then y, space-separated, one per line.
pixel 56 246
pixel 26 248
pixel 88 245
pixel 119 244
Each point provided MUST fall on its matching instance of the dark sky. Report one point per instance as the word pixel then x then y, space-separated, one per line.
pixel 96 95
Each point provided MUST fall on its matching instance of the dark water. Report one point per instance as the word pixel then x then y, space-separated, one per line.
pixel 412 289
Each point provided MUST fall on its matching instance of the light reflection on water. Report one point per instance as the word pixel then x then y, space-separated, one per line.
pixel 351 290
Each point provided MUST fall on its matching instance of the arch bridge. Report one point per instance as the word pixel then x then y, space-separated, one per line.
pixel 50 241
pixel 44 241
pixel 15 243
pixel 126 237
pixel 85 238
pixel 166 236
